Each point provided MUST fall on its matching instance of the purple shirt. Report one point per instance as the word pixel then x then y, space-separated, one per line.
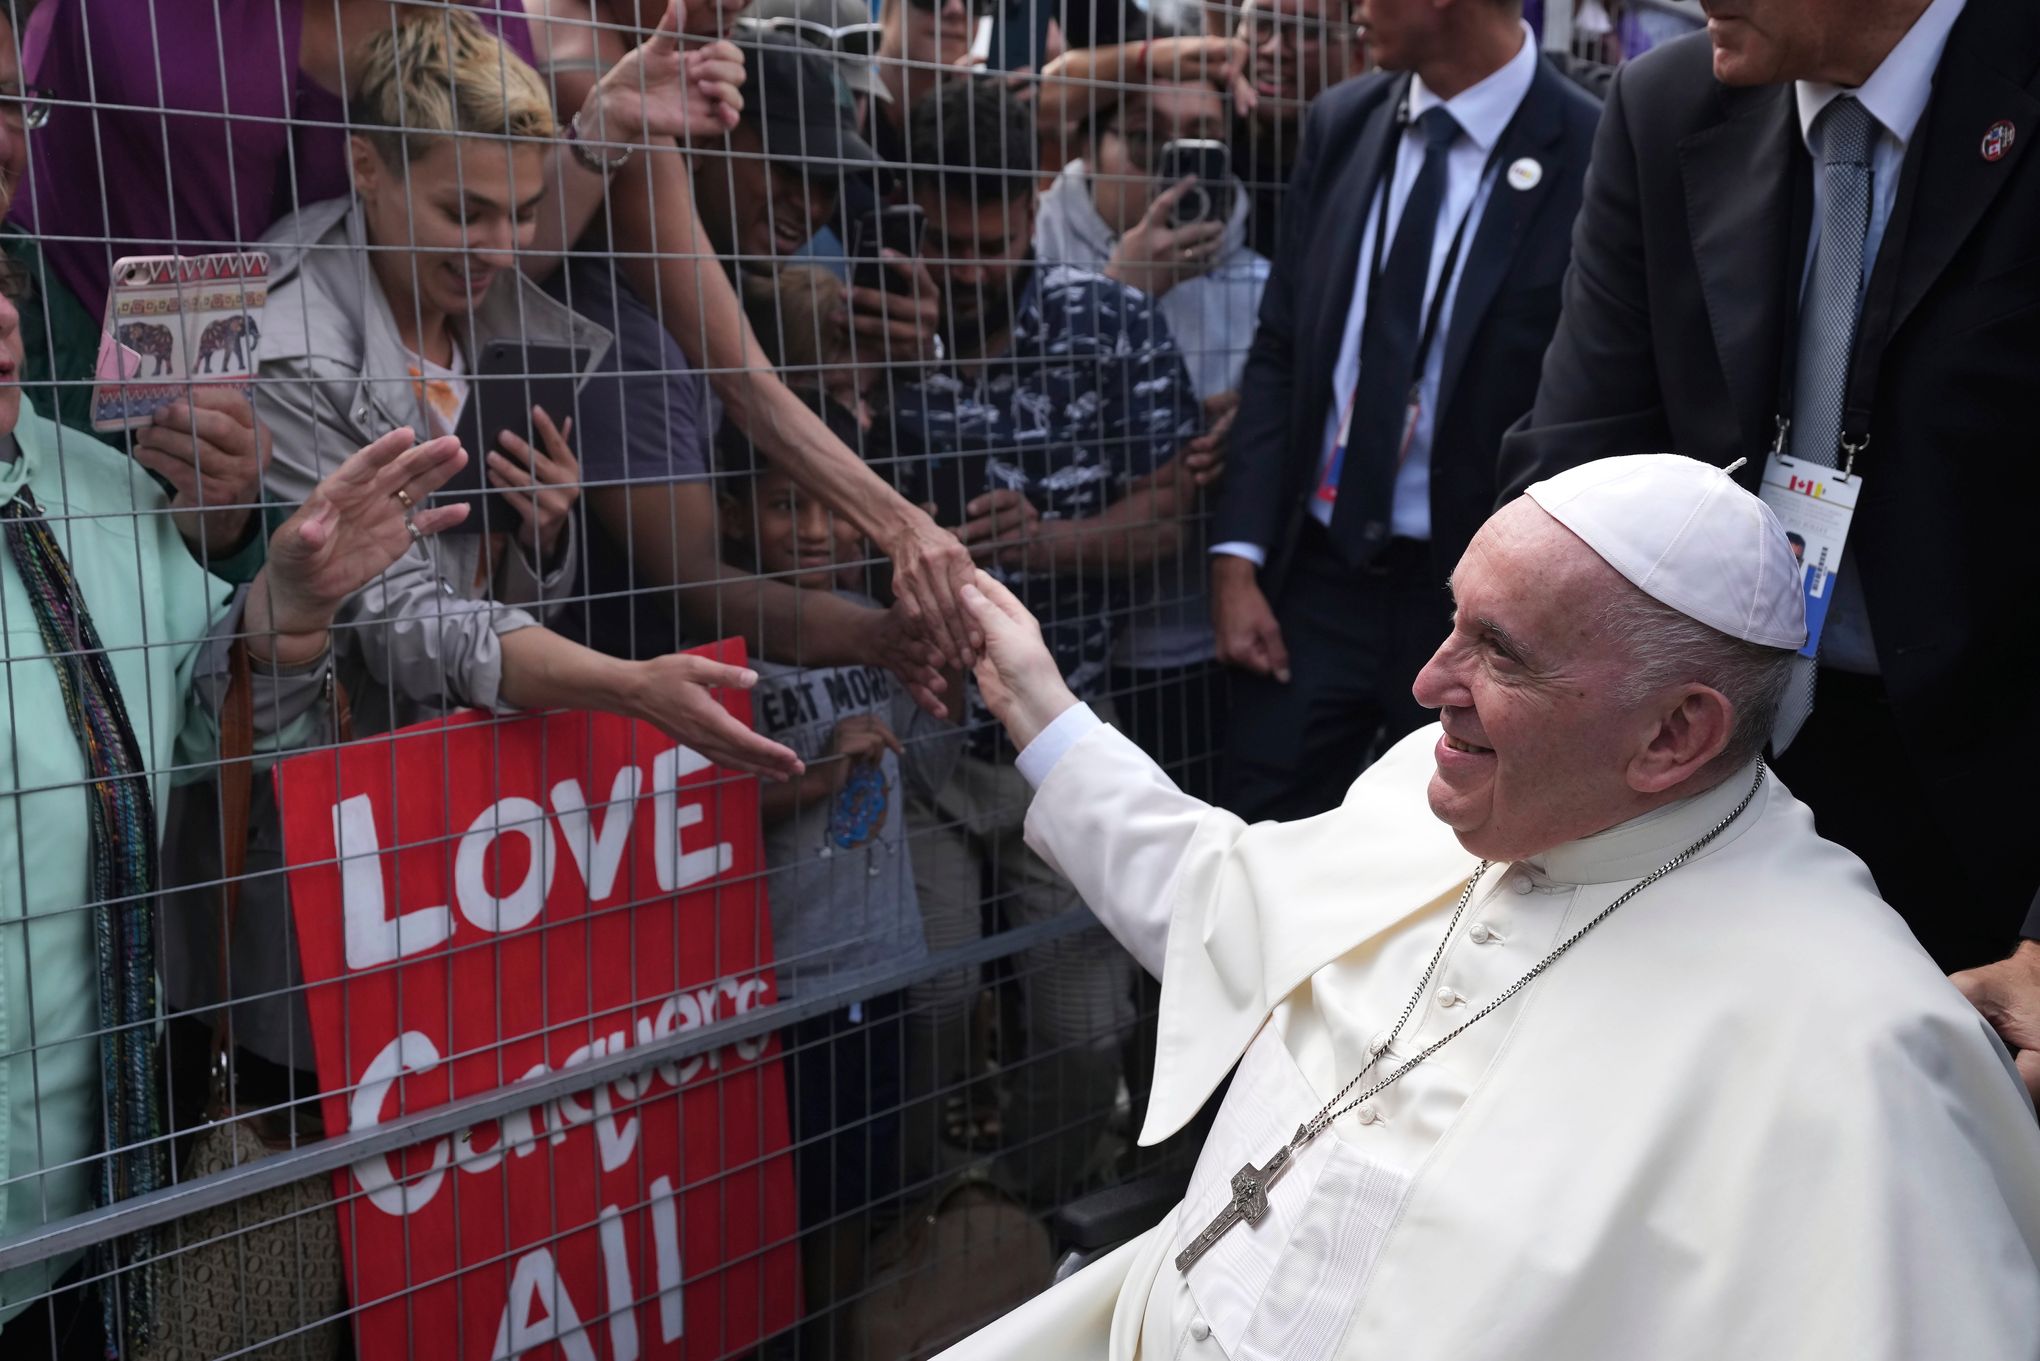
pixel 154 169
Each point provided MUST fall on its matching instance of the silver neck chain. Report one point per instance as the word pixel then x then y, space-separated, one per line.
pixel 1332 1109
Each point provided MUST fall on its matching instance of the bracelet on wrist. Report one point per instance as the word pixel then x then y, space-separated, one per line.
pixel 594 162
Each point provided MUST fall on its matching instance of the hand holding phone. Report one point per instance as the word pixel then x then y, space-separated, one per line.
pixel 510 380
pixel 897 229
pixel 1209 163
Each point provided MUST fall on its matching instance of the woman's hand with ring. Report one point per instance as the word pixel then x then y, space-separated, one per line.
pixel 348 531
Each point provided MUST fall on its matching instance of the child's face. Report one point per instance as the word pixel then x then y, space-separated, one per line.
pixel 797 535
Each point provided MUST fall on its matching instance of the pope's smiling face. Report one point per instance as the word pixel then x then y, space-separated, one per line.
pixel 1539 737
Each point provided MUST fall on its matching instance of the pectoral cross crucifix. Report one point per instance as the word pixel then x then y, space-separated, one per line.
pixel 1249 1200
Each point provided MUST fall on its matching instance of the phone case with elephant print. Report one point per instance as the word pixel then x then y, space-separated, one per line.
pixel 173 321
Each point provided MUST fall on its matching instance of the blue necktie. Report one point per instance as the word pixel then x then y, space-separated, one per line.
pixel 1388 355
pixel 1827 331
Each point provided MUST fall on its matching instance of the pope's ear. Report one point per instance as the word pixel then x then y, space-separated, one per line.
pixel 1694 726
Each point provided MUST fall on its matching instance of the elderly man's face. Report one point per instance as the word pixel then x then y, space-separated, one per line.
pixel 1766 42
pixel 1537 746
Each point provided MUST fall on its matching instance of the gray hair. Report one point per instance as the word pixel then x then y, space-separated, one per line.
pixel 1668 648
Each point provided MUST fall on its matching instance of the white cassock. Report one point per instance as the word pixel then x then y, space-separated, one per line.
pixel 1745 1117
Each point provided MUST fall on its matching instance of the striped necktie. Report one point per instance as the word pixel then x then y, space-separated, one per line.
pixel 1827 331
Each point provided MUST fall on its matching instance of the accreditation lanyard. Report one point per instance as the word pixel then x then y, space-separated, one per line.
pixel 1413 409
pixel 1815 498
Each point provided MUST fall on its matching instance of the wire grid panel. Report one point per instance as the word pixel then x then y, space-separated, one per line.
pixel 485 1057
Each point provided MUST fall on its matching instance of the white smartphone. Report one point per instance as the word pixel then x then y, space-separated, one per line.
pixel 981 45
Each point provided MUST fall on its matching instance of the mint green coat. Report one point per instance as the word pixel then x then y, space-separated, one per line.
pixel 162 619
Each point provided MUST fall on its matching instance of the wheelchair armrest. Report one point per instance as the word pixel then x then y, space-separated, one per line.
pixel 1117 1213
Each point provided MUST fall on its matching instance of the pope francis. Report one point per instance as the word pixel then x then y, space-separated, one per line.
pixel 1565 1037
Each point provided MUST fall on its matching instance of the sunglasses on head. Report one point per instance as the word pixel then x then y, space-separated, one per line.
pixel 853 40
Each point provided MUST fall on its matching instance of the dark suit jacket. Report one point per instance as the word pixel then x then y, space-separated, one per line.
pixel 1501 320
pixel 1684 283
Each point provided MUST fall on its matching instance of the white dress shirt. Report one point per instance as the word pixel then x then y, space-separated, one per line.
pixel 1895 96
pixel 1483 112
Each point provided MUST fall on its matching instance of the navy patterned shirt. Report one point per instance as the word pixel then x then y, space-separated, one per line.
pixel 1092 394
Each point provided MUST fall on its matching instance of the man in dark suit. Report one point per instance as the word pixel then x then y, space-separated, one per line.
pixel 1417 286
pixel 1827 219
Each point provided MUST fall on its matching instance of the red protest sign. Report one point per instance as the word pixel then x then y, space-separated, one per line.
pixel 480 901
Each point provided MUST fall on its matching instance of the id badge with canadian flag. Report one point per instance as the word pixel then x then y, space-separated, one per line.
pixel 1815 504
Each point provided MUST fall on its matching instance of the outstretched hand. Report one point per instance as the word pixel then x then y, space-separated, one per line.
pixel 352 527
pixel 930 570
pixel 1016 673
pixel 661 90
pixel 674 694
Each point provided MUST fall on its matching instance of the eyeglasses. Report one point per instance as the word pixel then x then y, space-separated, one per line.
pixel 24 106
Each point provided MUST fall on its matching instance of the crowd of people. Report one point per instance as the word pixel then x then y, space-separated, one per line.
pixel 1210 335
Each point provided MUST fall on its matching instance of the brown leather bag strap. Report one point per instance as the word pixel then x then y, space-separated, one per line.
pixel 237 781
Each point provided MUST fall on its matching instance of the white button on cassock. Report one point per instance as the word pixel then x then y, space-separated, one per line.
pixel 1366 1115
pixel 1199 1330
pixel 1479 934
pixel 1449 998
pixel 1521 883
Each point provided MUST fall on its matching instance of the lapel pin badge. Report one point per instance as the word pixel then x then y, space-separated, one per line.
pixel 1525 174
pixel 1997 139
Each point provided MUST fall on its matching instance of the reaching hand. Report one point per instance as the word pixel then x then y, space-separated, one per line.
pixel 355 524
pixel 212 451
pixel 861 739
pixel 1017 675
pixel 660 91
pixel 542 487
pixel 2008 995
pixel 672 694
pixel 897 646
pixel 1154 256
pixel 1000 527
pixel 930 568
pixel 1204 456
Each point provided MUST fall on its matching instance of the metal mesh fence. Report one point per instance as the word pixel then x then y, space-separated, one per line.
pixel 399 953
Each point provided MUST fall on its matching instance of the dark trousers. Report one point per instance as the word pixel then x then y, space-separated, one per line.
pixel 1851 767
pixel 64 1325
pixel 1176 715
pixel 1356 638
pixel 844 1087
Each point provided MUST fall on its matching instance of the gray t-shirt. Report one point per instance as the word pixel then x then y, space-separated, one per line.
pixel 840 875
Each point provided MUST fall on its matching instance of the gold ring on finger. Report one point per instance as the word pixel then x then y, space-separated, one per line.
pixel 404 500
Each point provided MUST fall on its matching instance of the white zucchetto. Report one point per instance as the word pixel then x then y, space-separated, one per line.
pixel 1687 536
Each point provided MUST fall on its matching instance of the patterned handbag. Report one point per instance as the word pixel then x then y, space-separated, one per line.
pixel 261 1276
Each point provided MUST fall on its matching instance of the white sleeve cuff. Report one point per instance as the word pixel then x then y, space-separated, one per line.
pixel 1239 548
pixel 1041 755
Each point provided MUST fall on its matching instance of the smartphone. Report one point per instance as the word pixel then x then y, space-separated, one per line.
pixel 981 42
pixel 897 228
pixel 1211 198
pixel 510 379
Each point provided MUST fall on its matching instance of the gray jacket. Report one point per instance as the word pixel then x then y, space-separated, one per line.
pixel 417 643
pixel 425 638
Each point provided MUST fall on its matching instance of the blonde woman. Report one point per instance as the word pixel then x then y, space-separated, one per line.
pixel 378 306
